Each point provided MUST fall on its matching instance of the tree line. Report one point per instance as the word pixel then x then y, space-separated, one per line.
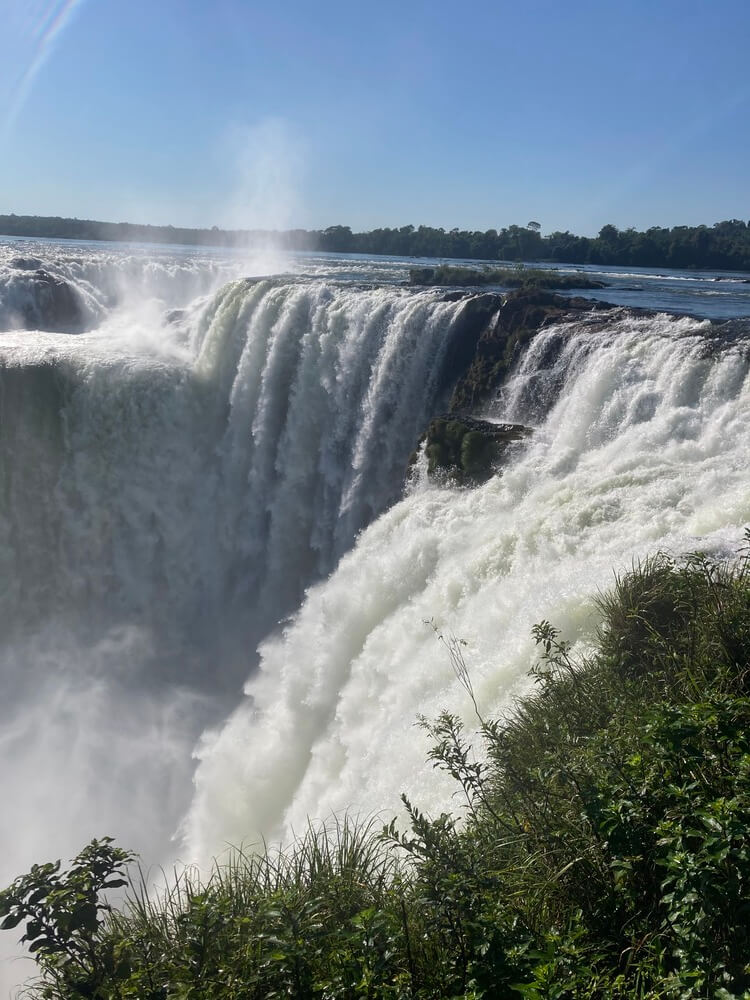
pixel 724 245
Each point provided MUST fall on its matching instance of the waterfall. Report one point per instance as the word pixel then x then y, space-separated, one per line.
pixel 174 486
pixel 207 490
pixel 640 443
pixel 168 488
pixel 74 289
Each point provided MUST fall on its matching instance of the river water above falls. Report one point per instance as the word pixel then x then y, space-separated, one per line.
pixel 214 462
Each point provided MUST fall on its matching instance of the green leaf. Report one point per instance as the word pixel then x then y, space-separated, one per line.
pixel 42 943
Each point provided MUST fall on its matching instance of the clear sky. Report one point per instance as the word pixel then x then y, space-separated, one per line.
pixel 478 114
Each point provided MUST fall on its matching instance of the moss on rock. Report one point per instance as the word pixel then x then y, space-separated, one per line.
pixel 466 450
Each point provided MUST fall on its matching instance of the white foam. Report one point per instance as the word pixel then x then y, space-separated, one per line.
pixel 643 446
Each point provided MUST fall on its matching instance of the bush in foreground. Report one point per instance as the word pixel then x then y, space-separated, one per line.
pixel 603 852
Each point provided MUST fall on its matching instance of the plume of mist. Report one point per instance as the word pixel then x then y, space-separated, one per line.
pixel 267 161
pixel 76 732
pixel 267 164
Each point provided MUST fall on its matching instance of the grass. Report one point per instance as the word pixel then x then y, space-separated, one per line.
pixel 602 850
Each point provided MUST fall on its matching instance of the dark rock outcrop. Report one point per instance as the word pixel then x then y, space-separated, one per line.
pixel 51 305
pixel 476 316
pixel 465 450
pixel 487 338
pixel 518 319
pixel 505 277
pixel 26 263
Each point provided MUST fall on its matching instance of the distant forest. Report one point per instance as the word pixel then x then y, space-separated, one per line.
pixel 725 245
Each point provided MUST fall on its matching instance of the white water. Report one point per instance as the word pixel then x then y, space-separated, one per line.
pixel 645 446
pixel 168 489
pixel 167 493
pixel 104 281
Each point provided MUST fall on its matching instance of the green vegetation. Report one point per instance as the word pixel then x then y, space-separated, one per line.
pixel 725 245
pixel 603 850
pixel 58 228
pixel 466 450
pixel 508 277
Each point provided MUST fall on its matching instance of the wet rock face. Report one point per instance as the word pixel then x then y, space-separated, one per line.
pixel 476 316
pixel 468 451
pixel 519 318
pixel 43 301
pixel 26 263
pixel 491 332
pixel 58 304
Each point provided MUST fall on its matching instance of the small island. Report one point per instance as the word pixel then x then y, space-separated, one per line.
pixel 505 277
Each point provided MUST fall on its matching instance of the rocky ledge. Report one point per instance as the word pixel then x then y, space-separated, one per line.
pixel 465 450
pixel 489 335
pixel 43 301
pixel 518 317
pixel 506 277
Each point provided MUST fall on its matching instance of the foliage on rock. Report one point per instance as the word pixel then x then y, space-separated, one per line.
pixel 505 277
pixel 465 450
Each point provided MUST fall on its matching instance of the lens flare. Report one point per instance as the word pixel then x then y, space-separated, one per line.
pixel 52 22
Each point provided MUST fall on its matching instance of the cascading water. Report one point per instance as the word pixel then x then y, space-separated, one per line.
pixel 166 496
pixel 640 443
pixel 186 491
pixel 171 484
pixel 75 288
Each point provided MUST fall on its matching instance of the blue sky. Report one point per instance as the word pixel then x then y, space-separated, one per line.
pixel 293 113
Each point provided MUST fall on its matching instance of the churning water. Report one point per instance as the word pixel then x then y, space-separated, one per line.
pixel 174 477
